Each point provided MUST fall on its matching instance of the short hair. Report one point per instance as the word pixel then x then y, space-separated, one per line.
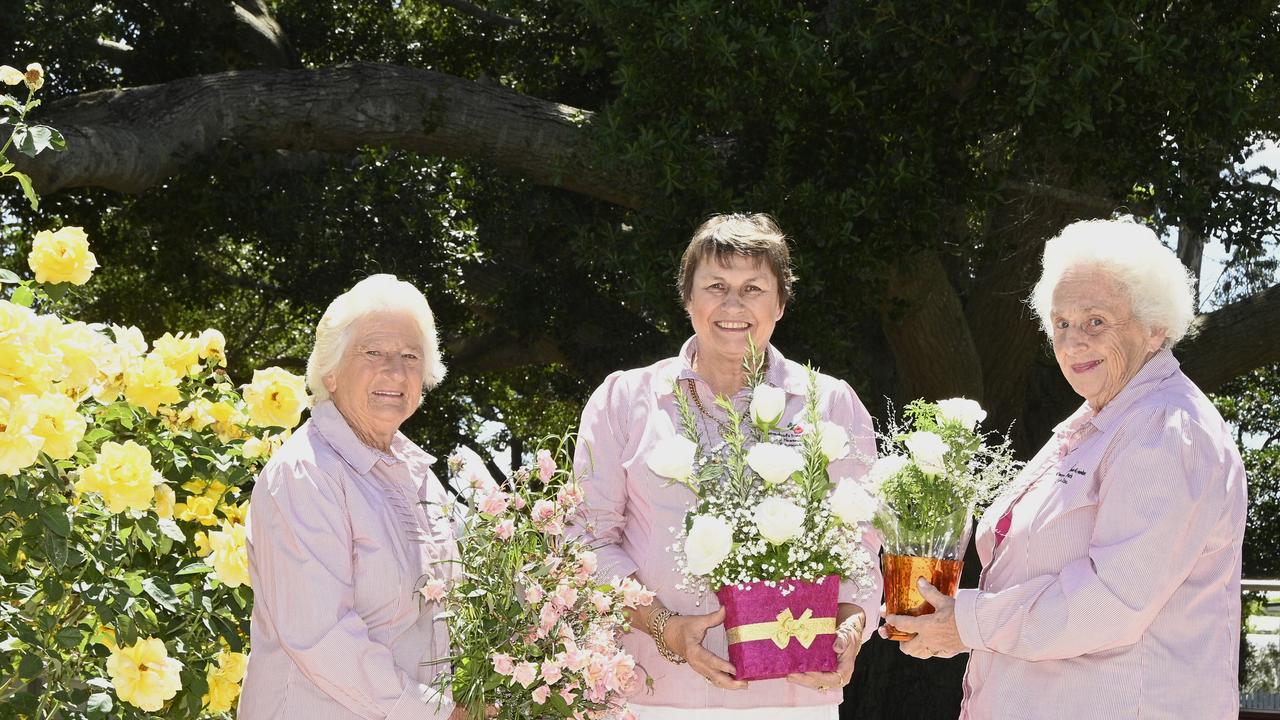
pixel 752 235
pixel 376 293
pixel 1161 291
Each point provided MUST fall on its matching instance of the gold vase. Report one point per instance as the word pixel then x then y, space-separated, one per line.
pixel 902 596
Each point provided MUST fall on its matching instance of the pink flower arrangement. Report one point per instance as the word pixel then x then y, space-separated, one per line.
pixel 535 634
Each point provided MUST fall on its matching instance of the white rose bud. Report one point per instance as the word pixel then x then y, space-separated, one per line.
pixel 885 468
pixel 775 463
pixel 673 458
pixel 964 411
pixel 834 441
pixel 778 519
pixel 708 543
pixel 11 75
pixel 928 451
pixel 767 403
pixel 852 504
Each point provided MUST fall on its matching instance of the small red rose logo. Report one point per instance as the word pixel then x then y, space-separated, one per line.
pixel 798 429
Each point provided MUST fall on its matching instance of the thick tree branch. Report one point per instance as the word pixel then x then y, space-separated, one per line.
pixel 926 329
pixel 1233 340
pixel 131 139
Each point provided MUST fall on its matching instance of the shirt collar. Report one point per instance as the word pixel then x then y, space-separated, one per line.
pixel 1155 371
pixel 338 433
pixel 779 374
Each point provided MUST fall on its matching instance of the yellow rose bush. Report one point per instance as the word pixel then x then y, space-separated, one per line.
pixel 125 469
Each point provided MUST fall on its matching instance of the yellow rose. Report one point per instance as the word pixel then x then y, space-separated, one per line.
pixel 196 415
pixel 198 509
pixel 60 424
pixel 144 675
pixel 62 256
pixel 166 499
pixel 24 360
pixel 275 398
pixel 81 349
pixel 201 540
pixel 122 475
pixel 180 353
pixel 151 384
pixel 224 680
pixel 235 514
pixel 19 442
pixel 213 346
pixel 227 421
pixel 230 556
pixel 11 75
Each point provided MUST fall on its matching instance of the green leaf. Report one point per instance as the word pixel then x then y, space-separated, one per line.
pixel 55 519
pixel 35 103
pixel 170 529
pixel 8 276
pixel 160 591
pixel 27 189
pixel 30 665
pixel 196 568
pixel 70 638
pixel 23 141
pixel 22 295
pixel 55 549
pixel 10 101
pixel 41 138
pixel 99 704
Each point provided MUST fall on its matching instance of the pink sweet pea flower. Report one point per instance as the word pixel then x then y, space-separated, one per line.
pixel 541 694
pixel 565 596
pixel 503 664
pixel 495 503
pixel 518 502
pixel 505 529
pixel 633 593
pixel 543 511
pixel 551 673
pixel 433 591
pixel 569 497
pixel 526 673
pixel 546 465
pixel 602 601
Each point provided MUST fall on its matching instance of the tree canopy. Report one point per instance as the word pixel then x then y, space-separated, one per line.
pixel 537 167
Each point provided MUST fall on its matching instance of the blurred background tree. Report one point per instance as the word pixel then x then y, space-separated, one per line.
pixel 536 166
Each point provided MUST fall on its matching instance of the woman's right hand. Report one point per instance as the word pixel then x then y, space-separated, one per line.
pixel 684 635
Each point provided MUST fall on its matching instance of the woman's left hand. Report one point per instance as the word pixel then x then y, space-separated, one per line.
pixel 936 634
pixel 848 643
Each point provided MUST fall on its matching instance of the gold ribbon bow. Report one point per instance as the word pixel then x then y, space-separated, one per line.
pixel 786 626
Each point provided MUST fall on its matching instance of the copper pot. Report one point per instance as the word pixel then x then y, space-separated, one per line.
pixel 902 596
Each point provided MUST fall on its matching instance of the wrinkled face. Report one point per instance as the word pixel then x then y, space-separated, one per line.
pixel 378 383
pixel 732 300
pixel 1096 340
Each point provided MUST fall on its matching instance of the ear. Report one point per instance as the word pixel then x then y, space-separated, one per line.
pixel 330 383
pixel 1156 339
pixel 782 309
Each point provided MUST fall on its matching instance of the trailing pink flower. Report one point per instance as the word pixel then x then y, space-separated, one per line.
pixel 541 694
pixel 546 465
pixel 495 503
pixel 526 673
pixel 505 529
pixel 503 664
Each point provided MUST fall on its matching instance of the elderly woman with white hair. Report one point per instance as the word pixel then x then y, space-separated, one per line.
pixel 1111 567
pixel 339 542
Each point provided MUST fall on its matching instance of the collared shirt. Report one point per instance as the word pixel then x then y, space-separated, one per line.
pixel 1116 593
pixel 633 514
pixel 339 544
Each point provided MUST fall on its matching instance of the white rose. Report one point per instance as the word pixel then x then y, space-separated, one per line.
pixel 673 458
pixel 852 504
pixel 834 441
pixel 778 519
pixel 885 468
pixel 961 410
pixel 11 75
pixel 928 451
pixel 708 543
pixel 775 463
pixel 767 403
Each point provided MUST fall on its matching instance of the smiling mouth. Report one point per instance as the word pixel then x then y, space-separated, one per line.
pixel 1085 366
pixel 388 393
pixel 730 325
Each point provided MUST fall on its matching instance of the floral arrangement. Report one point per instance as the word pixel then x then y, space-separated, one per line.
pixel 766 523
pixel 534 634
pixel 765 511
pixel 933 472
pixel 124 590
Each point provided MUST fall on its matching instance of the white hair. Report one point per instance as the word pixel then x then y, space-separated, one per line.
pixel 1160 288
pixel 376 293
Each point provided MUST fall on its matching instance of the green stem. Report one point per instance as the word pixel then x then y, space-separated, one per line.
pixel 22 117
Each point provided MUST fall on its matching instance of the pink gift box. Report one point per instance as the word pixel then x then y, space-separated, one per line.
pixel 768 632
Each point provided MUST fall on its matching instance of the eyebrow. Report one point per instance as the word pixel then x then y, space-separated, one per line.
pixel 753 278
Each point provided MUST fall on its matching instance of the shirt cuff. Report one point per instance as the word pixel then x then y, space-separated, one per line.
pixel 420 701
pixel 966 616
pixel 614 562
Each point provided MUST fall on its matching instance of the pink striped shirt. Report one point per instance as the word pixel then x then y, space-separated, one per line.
pixel 633 513
pixel 1116 593
pixel 338 547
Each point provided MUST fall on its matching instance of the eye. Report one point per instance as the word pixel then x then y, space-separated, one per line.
pixel 716 287
pixel 409 356
pixel 373 353
pixel 754 289
pixel 1061 324
pixel 1096 322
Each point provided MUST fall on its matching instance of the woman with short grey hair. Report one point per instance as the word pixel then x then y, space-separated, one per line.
pixel 339 540
pixel 1111 580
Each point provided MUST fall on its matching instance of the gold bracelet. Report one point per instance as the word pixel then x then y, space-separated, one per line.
pixel 657 626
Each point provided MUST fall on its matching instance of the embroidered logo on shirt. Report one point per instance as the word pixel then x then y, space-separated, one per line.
pixel 788 436
pixel 1064 476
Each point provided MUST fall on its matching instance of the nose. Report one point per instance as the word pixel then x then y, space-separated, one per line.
pixel 1072 337
pixel 396 366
